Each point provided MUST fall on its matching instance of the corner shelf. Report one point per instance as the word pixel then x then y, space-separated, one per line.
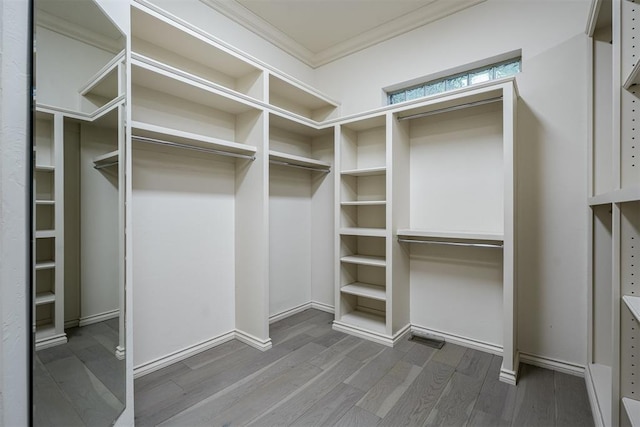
pixel 633 303
pixel 295 98
pixel 367 232
pixel 374 261
pixel 105 82
pixel 298 161
pixel 368 290
pixel 632 407
pixel 188 139
pixel 381 170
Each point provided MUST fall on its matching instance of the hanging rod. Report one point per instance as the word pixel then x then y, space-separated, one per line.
pixel 293 165
pixel 454 108
pixel 105 165
pixel 441 242
pixel 189 147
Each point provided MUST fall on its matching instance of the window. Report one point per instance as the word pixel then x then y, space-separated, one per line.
pixel 457 81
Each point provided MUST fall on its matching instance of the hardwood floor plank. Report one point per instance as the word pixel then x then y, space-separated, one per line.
pixel 450 354
pixel 496 399
pixel 535 403
pixel 572 402
pixel 367 376
pixel 153 397
pixel 357 417
pixel 419 354
pixel 365 351
pixel 213 354
pixel 337 351
pixel 415 405
pixel 161 376
pixel 106 367
pixel 331 338
pixel 404 345
pixel 331 408
pixel 296 404
pixel 386 392
pixel 51 406
pixel 456 403
pixel 474 363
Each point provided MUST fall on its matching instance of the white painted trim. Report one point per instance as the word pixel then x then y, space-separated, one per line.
pixel 510 376
pixel 553 364
pixel 97 318
pixel 51 341
pixel 289 312
pixel 362 333
pixel 120 353
pixel 176 356
pixel 255 342
pixel 323 307
pixel 76 32
pixel 460 340
pixel 430 12
pixel 598 416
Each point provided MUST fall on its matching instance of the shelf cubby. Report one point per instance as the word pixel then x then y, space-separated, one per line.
pixel 45 215
pixel 104 86
pixel 183 47
pixel 300 100
pixel 361 317
pixel 43 136
pixel 363 147
pixel 294 144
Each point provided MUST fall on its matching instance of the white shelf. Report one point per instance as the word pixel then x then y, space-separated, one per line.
pixel 634 305
pixel 294 97
pixel 189 139
pixel 45 234
pixel 366 171
pixel 632 407
pixel 105 82
pixel 601 381
pixel 370 232
pixel 151 74
pixel 45 298
pixel 634 76
pixel 375 261
pixel 366 321
pixel 45 202
pixel 45 168
pixel 304 162
pixel 450 236
pixel 368 290
pixel 365 203
pixel 616 196
pixel 45 265
pixel 106 159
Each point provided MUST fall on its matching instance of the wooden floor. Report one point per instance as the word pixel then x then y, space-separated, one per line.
pixel 316 376
pixel 80 383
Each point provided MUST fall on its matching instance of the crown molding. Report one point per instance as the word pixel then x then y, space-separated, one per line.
pixel 436 9
pixel 76 32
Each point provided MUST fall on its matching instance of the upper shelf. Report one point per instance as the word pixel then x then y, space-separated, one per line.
pixel 298 161
pixel 166 79
pixel 188 139
pixel 451 237
pixel 183 46
pixel 366 171
pixel 105 82
pixel 106 160
pixel 295 98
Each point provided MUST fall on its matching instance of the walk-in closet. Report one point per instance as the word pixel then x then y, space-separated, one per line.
pixel 319 213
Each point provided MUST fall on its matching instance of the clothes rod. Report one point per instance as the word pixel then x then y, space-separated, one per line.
pixel 293 165
pixel 440 242
pixel 454 108
pixel 105 165
pixel 189 147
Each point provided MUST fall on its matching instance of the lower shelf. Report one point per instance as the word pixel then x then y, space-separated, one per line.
pixel 632 408
pixel 368 290
pixel 45 298
pixel 363 320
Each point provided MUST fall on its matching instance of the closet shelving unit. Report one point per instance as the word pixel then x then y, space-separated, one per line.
pixel 614 201
pixel 48 269
pixel 382 211
pixel 193 91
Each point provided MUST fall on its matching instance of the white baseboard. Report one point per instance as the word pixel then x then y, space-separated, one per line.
pixel 553 364
pixel 176 356
pixel 51 341
pixel 96 318
pixel 289 312
pixel 323 307
pixel 511 376
pixel 255 342
pixel 299 309
pixel 460 340
pixel 71 323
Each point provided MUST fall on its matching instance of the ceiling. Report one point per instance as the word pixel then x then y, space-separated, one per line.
pixel 320 31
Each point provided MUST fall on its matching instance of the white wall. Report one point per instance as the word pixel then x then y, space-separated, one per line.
pixel 551 137
pixel 183 246
pixel 14 224
pixel 218 25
